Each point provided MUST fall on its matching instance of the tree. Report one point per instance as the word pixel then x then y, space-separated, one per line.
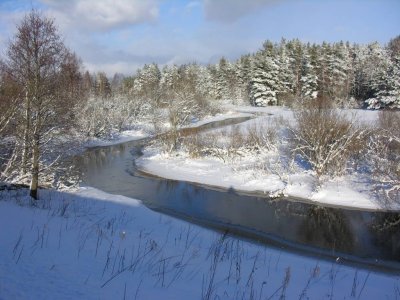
pixel 87 84
pixel 226 80
pixel 294 50
pixel 286 75
pixel 309 79
pixel 387 87
pixel 244 72
pixel 103 87
pixel 35 60
pixel 9 97
pixel 394 46
pixel 146 84
pixel 265 84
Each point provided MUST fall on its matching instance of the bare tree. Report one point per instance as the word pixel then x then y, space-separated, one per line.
pixel 394 46
pixel 9 96
pixel 36 58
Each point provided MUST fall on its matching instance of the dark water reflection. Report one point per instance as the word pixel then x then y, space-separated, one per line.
pixel 357 236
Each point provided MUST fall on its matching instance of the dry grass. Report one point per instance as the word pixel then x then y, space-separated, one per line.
pixel 233 143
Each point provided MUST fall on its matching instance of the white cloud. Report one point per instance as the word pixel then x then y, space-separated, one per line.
pixel 231 10
pixel 102 14
pixel 110 69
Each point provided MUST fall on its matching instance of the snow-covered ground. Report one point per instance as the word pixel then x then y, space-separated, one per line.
pixel 144 130
pixel 244 173
pixel 92 245
pixel 122 137
pixel 230 114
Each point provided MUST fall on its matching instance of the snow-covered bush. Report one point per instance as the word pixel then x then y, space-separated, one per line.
pixel 92 118
pixel 327 139
pixel 384 154
pixel 234 143
pixel 100 117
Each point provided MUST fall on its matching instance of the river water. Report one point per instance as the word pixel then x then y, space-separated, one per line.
pixel 353 236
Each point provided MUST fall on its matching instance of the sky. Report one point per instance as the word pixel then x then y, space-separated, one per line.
pixel 123 35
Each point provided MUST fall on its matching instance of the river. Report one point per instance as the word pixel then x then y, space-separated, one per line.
pixel 353 236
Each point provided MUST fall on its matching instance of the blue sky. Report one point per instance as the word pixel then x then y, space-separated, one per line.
pixel 122 35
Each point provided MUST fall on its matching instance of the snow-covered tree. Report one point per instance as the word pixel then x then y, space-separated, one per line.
pixel 205 84
pixel 338 70
pixel 394 46
pixel 265 84
pixel 102 86
pixel 146 84
pixel 387 87
pixel 226 80
pixel 286 75
pixel 169 79
pixel 35 59
pixel 371 65
pixel 309 79
pixel 244 69
pixel 294 50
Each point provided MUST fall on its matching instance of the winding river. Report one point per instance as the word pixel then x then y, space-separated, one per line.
pixel 368 239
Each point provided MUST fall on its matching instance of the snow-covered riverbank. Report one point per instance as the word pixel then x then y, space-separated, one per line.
pixel 144 130
pixel 92 245
pixel 264 172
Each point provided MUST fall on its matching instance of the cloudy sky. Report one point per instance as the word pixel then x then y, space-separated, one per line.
pixel 122 35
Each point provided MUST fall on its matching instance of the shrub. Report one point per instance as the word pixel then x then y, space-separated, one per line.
pixel 384 149
pixel 326 138
pixel 233 143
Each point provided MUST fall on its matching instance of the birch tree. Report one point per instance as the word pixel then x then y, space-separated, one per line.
pixel 36 57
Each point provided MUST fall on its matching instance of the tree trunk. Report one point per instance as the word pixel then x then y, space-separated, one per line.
pixel 35 158
pixel 25 150
pixel 35 168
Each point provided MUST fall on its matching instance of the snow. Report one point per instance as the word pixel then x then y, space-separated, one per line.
pixel 210 172
pixel 143 130
pixel 215 173
pixel 278 111
pixel 91 245
pixel 219 117
pixel 122 137
pixel 244 174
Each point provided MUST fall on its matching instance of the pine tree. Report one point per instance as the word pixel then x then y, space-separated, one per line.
pixel 294 50
pixel 265 84
pixel 309 79
pixel 225 77
pixel 169 80
pixel 337 71
pixel 387 87
pixel 205 84
pixel 286 75
pixel 146 84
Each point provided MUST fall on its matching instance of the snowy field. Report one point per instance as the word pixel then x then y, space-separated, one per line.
pixel 245 173
pixel 92 245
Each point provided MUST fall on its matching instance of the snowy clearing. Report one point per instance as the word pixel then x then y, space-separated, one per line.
pixel 92 245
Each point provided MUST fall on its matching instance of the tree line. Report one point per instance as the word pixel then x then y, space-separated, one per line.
pixel 365 76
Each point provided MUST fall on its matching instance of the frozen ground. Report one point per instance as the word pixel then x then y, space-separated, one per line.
pixel 246 174
pixel 92 245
